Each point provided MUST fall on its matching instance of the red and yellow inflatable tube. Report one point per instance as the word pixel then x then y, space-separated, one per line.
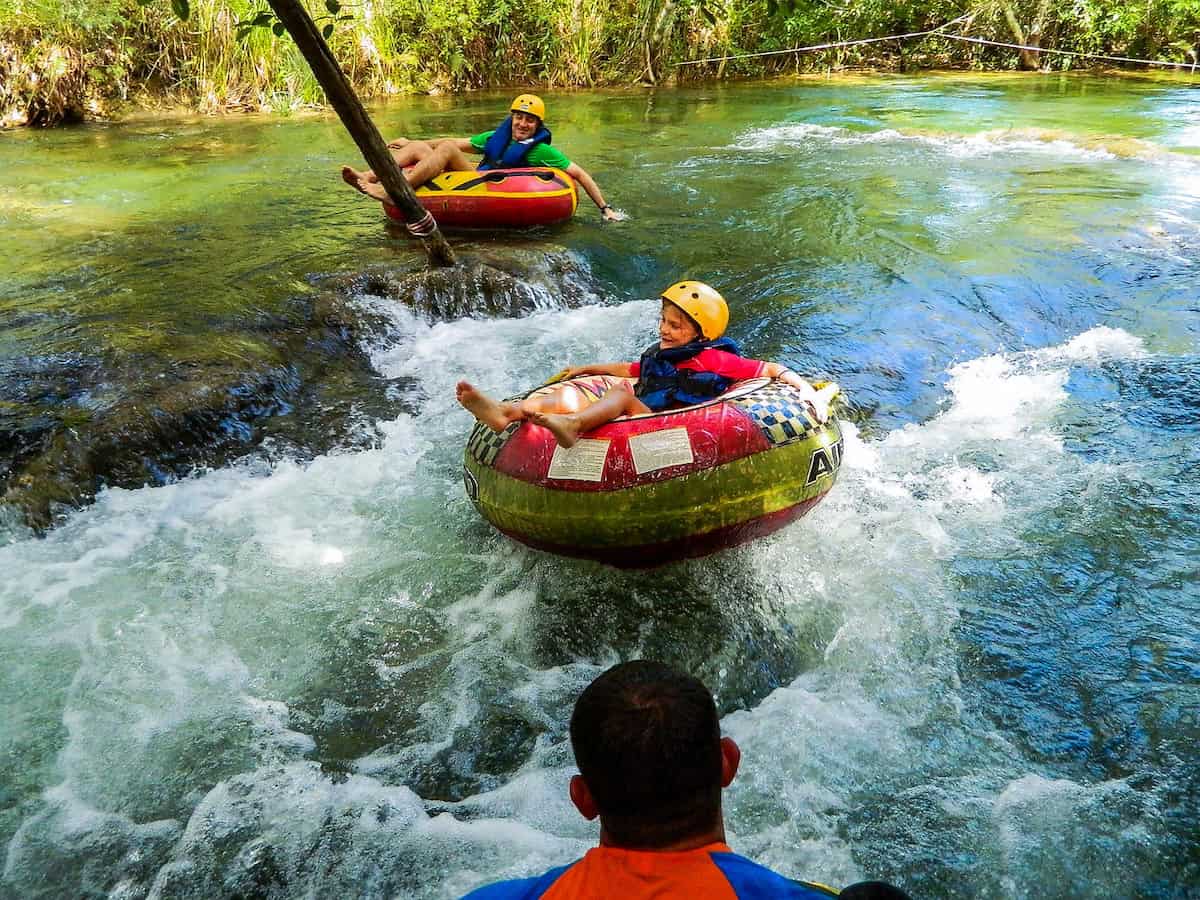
pixel 646 490
pixel 497 198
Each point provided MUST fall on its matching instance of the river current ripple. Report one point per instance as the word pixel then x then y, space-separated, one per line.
pixel 973 670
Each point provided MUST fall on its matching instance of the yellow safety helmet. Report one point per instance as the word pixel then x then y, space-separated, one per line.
pixel 529 103
pixel 704 306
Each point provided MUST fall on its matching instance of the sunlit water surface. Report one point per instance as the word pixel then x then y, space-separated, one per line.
pixel 973 670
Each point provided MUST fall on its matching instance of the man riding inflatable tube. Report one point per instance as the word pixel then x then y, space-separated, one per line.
pixel 501 151
pixel 522 139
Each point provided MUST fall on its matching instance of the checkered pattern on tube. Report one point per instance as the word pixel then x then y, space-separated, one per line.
pixel 779 412
pixel 485 445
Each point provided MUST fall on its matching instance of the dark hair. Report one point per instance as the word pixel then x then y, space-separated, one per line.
pixel 873 890
pixel 648 745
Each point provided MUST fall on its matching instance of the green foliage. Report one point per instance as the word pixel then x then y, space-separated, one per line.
pixel 62 59
pixel 1168 29
pixel 266 18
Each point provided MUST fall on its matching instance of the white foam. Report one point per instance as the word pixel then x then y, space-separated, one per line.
pixel 962 483
pixel 443 352
pixel 1188 135
pixel 301 516
pixel 1069 834
pixel 790 133
pixel 968 146
pixel 174 600
pixel 997 399
pixel 1096 345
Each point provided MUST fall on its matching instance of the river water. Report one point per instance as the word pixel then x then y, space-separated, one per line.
pixel 973 670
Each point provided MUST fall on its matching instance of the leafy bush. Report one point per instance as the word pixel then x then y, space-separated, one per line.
pixel 63 59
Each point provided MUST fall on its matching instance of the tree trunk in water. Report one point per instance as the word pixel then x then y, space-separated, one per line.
pixel 1039 25
pixel 657 28
pixel 1029 58
pixel 337 88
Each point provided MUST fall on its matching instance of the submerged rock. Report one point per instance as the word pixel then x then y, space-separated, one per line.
pixel 72 425
pixel 296 381
pixel 488 284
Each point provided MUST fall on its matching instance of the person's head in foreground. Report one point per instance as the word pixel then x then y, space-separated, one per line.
pixel 691 311
pixel 651 758
pixel 528 113
pixel 652 765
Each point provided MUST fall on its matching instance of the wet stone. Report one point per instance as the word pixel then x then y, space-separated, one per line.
pixel 477 760
pixel 296 381
pixel 492 284
pixel 70 426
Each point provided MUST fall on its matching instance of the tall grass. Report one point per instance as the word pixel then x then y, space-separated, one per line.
pixel 67 59
pixel 46 57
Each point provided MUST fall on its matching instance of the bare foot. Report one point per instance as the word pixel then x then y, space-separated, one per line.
pixel 496 416
pixel 352 177
pixel 564 426
pixel 375 191
pixel 362 181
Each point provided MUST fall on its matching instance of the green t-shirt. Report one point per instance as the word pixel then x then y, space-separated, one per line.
pixel 541 155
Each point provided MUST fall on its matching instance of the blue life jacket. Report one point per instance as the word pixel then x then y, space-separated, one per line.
pixel 502 152
pixel 661 385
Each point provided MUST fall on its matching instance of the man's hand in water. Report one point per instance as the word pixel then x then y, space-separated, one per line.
pixel 612 215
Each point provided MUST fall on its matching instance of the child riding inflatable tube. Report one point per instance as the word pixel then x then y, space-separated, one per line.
pixel 649 489
pixel 690 449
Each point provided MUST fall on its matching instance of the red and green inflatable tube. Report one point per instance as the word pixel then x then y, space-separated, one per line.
pixel 650 489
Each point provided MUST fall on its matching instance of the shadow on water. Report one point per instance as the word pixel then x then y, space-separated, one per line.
pixel 720 620
pixel 736 631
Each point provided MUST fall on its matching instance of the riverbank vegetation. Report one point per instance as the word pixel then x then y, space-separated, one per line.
pixel 64 60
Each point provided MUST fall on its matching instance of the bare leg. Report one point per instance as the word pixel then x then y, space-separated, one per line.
pixel 445 157
pixel 495 414
pixel 566 399
pixel 411 153
pixel 567 427
pixel 407 154
pixel 366 182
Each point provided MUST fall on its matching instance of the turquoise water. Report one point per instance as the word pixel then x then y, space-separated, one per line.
pixel 973 670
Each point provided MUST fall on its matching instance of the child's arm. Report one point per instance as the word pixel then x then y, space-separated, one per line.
pixel 819 404
pixel 786 375
pixel 619 369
